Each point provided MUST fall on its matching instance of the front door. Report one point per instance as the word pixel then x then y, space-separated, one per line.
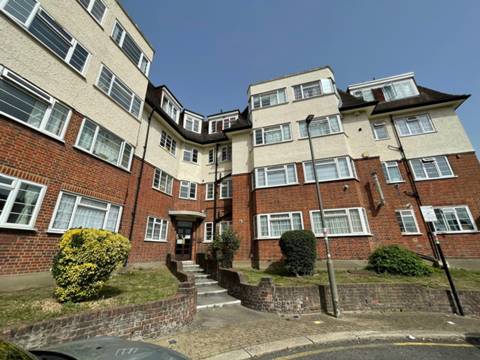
pixel 183 247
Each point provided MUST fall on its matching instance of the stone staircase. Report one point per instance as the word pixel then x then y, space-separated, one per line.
pixel 209 293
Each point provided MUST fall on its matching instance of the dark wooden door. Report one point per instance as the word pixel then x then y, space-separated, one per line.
pixel 183 247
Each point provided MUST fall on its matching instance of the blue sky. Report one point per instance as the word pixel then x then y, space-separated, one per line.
pixel 209 51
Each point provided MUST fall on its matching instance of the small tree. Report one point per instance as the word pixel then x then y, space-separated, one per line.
pixel 224 247
pixel 397 260
pixel 299 247
pixel 85 261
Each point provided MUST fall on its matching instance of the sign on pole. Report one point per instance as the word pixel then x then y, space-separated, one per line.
pixel 428 213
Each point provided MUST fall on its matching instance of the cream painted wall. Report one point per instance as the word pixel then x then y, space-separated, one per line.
pixel 242 155
pixel 25 55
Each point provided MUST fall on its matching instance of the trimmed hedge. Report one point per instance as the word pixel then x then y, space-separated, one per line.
pixel 300 251
pixel 397 260
pixel 224 247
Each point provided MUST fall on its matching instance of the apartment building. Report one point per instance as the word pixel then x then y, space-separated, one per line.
pixel 88 141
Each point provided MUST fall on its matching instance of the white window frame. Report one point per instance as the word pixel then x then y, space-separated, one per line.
pixel 226 185
pixel 207 186
pixel 391 164
pixel 9 76
pixel 156 221
pixel 173 103
pixel 379 124
pixel 7 208
pixel 305 85
pixel 407 212
pixel 195 122
pixel 172 148
pixel 206 238
pixel 268 215
pixel 412 118
pixel 268 93
pixel 226 122
pixel 262 131
pixel 190 154
pixel 94 140
pixel 158 173
pixel 226 153
pixel 224 225
pixel 190 184
pixel 321 119
pixel 350 164
pixel 271 169
pixel 431 159
pixel 78 198
pixel 211 156
pixel 90 7
pixel 363 221
pixel 453 208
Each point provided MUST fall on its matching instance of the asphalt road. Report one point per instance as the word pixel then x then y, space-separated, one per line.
pixel 401 350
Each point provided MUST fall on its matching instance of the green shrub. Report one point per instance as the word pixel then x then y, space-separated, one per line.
pixel 394 259
pixel 85 261
pixel 300 251
pixel 224 247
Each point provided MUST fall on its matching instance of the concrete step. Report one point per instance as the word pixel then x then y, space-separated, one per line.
pixel 208 290
pixel 215 300
pixel 188 262
pixel 192 270
pixel 200 275
pixel 204 282
pixel 191 266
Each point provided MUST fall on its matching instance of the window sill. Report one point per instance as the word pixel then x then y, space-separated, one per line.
pixel 155 241
pixel 99 158
pixel 182 198
pixel 274 186
pixel 168 152
pixel 225 198
pixel 20 228
pixel 412 234
pixel 395 182
pixel 332 180
pixel 388 138
pixel 270 106
pixel 275 143
pixel 319 136
pixel 117 104
pixel 207 241
pixel 190 162
pixel 163 192
pixel 343 235
pixel 458 232
pixel 313 97
pixel 439 178
pixel 53 231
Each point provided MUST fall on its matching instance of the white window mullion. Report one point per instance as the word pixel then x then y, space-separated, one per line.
pixel 32 15
pixel 10 200
pixel 105 220
pixel 74 211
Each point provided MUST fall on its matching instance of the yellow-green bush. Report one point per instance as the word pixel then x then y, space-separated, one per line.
pixel 85 261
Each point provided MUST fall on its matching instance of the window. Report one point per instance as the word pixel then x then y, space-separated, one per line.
pixel 192 124
pixel 130 48
pixel 190 154
pixel 208 232
pixel 392 172
pixel 24 102
pixel 454 219
pixel 119 92
pixel 215 126
pixel 272 134
pixel 392 91
pixel 312 89
pixel 414 125
pixel 96 8
pixel 226 189
pixel 226 152
pixel 407 222
pixel 435 167
pixel 330 169
pixel 209 191
pixel 211 156
pixel 102 143
pixel 275 176
pixel 172 110
pixel 188 190
pixel 168 143
pixel 45 29
pixel 156 229
pixel 20 202
pixel 341 222
pixel 365 94
pixel 380 131
pixel 224 226
pixel 322 126
pixel 274 225
pixel 162 181
pixel 269 99
pixel 75 211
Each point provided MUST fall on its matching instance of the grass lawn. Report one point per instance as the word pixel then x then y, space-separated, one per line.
pixel 463 279
pixel 132 287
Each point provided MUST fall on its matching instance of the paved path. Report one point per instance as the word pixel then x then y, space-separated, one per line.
pixel 221 330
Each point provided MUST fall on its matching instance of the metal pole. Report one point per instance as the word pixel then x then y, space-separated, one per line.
pixel 330 269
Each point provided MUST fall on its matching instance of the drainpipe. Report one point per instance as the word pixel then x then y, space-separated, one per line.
pixel 215 193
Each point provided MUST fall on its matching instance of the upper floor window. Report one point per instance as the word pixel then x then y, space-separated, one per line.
pixel 218 125
pixel 96 8
pixel 104 144
pixel 45 29
pixel 454 219
pixel 269 99
pixel 226 152
pixel 407 221
pixel 392 172
pixel 116 89
pixel 312 89
pixel 168 143
pixel 390 91
pixel 24 102
pixel 156 229
pixel 130 48
pixel 211 156
pixel 169 106
pixel 321 126
pixel 431 168
pixel 162 181
pixel 275 176
pixel 330 169
pixel 209 191
pixel 341 222
pixel 20 202
pixel 272 134
pixel 190 154
pixel 192 124
pixel 188 190
pixel 414 125
pixel 274 225
pixel 226 189
pixel 380 131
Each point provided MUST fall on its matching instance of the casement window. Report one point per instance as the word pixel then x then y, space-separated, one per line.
pixel 45 29
pixel 365 94
pixel 392 172
pixel 209 191
pixel 168 143
pixel 215 126
pixel 188 190
pixel 272 134
pixel 211 156
pixel 190 154
pixel 169 106
pixel 380 131
pixel 312 89
pixel 272 226
pixel 125 41
pixel 269 99
pixel 20 202
pixel 341 222
pixel 321 126
pixel 162 181
pixel 116 89
pixel 208 232
pixel 105 145
pixel 24 102
pixel 330 169
pixel 157 229
pixel 226 189
pixel 192 124
pixel 454 219
pixel 226 152
pixel 414 125
pixel 275 176
pixel 96 8
pixel 75 211
pixel 392 91
pixel 407 222
pixel 435 167
pixel 224 226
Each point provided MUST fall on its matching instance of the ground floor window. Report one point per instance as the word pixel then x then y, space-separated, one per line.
pixel 407 221
pixel 188 190
pixel 454 219
pixel 208 232
pixel 274 225
pixel 341 222
pixel 156 229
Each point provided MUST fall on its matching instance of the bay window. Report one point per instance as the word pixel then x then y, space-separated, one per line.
pixel 168 143
pixel 435 167
pixel 188 190
pixel 125 41
pixel 272 134
pixel 269 99
pixel 162 181
pixel 340 222
pixel 407 222
pixel 190 154
pixel 414 125
pixel 157 229
pixel 330 169
pixel 454 219
pixel 321 126
pixel 392 172
pixel 275 176
pixel 272 226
